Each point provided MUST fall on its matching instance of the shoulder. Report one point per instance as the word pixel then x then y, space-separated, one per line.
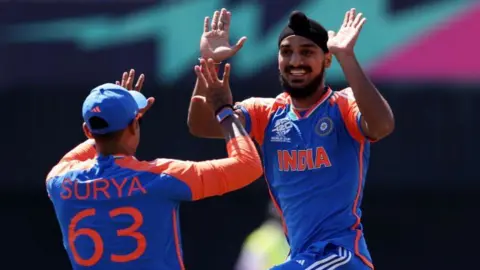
pixel 262 103
pixel 344 95
pixel 65 167
pixel 256 102
pixel 171 167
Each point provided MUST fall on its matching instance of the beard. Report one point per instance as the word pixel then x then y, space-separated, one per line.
pixel 304 91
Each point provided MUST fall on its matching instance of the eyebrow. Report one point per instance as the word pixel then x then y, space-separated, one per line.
pixel 306 45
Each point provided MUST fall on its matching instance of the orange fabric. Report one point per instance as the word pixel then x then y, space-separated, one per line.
pixel 259 110
pixel 312 108
pixel 209 178
pixel 176 236
pixel 355 207
pixel 72 165
pixel 349 110
pixel 79 158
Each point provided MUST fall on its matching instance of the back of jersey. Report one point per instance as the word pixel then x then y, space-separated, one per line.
pixel 114 217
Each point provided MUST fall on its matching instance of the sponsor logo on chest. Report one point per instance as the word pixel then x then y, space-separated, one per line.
pixel 281 131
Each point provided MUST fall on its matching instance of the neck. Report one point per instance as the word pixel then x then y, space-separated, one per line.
pixel 305 103
pixel 108 149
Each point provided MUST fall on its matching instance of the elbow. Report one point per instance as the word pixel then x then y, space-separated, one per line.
pixel 388 126
pixel 250 168
pixel 384 130
pixel 257 170
pixel 194 129
pixel 259 166
pixel 255 167
pixel 389 130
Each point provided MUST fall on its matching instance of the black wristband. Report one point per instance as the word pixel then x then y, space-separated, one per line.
pixel 223 107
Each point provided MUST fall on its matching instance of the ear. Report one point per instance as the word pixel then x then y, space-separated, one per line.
pixel 328 60
pixel 87 131
pixel 279 61
pixel 132 128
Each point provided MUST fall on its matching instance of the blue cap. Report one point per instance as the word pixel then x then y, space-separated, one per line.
pixel 114 104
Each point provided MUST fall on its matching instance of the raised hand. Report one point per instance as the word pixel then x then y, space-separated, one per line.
pixel 128 78
pixel 218 91
pixel 344 41
pixel 214 42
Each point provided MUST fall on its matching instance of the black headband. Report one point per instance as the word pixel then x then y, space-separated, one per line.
pixel 300 25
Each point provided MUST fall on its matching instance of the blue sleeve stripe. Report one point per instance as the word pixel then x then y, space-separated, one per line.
pixel 248 120
pixel 359 123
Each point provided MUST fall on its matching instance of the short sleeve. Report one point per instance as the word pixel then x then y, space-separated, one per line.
pixel 256 112
pixel 187 180
pixel 350 113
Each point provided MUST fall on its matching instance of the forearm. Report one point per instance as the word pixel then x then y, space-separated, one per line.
pixel 242 167
pixel 375 109
pixel 201 120
pixel 242 152
pixel 231 128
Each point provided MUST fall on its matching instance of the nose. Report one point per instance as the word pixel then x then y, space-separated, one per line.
pixel 295 60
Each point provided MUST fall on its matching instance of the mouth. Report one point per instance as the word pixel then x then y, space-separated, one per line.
pixel 297 75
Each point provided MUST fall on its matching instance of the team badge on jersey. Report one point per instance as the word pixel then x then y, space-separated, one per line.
pixel 324 126
pixel 282 127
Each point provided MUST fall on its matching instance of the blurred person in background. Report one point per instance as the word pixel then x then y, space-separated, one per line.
pixel 116 212
pixel 315 141
pixel 266 246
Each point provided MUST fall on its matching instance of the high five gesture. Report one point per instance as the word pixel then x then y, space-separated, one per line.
pixel 214 42
pixel 128 78
pixel 218 90
pixel 344 41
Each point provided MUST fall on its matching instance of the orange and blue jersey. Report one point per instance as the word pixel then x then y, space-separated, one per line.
pixel 117 212
pixel 315 163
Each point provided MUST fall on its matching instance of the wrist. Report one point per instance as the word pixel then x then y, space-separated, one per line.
pixel 224 112
pixel 344 56
pixel 216 61
pixel 198 98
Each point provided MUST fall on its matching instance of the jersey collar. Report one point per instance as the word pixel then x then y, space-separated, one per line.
pixel 295 115
pixel 113 157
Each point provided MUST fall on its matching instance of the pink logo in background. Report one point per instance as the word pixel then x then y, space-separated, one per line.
pixel 451 51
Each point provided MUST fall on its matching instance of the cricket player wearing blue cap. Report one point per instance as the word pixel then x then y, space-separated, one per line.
pixel 117 212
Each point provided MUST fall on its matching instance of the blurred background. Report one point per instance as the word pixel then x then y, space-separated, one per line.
pixel 423 186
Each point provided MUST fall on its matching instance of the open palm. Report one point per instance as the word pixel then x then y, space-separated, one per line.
pixel 128 78
pixel 214 42
pixel 218 90
pixel 345 39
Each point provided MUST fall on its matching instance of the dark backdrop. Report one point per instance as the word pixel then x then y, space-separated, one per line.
pixel 420 201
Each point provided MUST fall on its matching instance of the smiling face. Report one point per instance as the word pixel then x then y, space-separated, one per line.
pixel 302 66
